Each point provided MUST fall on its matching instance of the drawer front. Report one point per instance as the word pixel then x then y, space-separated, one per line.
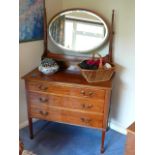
pixel 67 116
pixel 61 89
pixel 38 99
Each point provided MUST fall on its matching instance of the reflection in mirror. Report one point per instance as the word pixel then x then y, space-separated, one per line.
pixel 78 31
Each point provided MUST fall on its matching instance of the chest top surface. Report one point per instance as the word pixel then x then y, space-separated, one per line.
pixel 65 77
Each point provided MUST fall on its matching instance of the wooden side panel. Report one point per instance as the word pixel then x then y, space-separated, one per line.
pixel 130 144
pixel 106 108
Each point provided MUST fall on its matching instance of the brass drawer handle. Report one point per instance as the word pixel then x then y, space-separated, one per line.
pixel 43 99
pixel 90 93
pixel 43 88
pixel 86 120
pixel 82 92
pixel 87 106
pixel 86 93
pixel 44 113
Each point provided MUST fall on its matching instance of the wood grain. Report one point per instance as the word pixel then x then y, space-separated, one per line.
pixel 68 116
pixel 130 143
pixel 61 89
pixel 66 97
pixel 85 104
pixel 68 78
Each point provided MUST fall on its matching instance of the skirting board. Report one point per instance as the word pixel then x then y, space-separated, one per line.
pixel 113 125
pixel 24 124
pixel 117 127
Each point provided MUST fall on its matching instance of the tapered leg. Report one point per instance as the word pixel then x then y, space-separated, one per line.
pixel 102 143
pixel 30 128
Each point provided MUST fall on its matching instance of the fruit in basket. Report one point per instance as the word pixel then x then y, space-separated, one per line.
pixel 85 65
pixel 107 66
pixel 96 62
pixel 93 64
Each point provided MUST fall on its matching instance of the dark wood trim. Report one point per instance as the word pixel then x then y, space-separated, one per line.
pixel 111 37
pixel 67 57
pixel 106 112
pixel 102 142
pixel 28 113
pixel 30 128
pixel 45 34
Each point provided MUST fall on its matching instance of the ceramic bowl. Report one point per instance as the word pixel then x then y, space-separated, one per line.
pixel 48 66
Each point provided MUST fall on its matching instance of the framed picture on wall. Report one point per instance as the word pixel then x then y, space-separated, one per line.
pixel 31 20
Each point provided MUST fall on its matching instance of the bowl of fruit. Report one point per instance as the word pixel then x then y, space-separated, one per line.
pixel 48 66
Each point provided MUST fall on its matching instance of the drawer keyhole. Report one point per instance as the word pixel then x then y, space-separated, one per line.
pixel 87 106
pixel 44 113
pixel 88 94
pixel 43 100
pixel 82 92
pixel 43 88
pixel 86 120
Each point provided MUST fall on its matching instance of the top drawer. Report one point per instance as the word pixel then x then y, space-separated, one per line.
pixel 63 89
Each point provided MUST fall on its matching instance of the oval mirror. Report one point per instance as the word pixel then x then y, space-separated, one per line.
pixel 78 30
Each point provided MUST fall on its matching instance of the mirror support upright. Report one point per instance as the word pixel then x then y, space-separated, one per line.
pixel 45 34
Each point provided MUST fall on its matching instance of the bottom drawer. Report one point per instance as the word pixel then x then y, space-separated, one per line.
pixel 70 117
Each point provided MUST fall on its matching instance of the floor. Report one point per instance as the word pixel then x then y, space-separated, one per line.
pixel 61 139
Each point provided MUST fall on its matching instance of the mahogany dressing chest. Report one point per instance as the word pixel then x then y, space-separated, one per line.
pixel 66 97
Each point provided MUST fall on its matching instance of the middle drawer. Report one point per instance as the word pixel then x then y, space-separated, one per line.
pixel 41 99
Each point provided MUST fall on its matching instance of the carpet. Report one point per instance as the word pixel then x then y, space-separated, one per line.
pixel 61 139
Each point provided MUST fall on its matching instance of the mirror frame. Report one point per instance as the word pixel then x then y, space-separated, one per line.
pixel 105 23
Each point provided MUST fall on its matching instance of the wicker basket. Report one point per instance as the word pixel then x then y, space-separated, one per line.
pixel 101 74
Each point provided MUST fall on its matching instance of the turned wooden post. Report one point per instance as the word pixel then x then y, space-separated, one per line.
pixel 102 143
pixel 30 128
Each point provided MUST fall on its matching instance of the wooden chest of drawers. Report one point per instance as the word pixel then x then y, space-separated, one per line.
pixel 66 97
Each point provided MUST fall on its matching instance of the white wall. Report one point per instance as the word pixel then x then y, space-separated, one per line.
pixel 122 111
pixel 30 54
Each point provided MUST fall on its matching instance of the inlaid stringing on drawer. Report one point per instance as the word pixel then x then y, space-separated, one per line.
pixel 38 99
pixel 66 116
pixel 76 91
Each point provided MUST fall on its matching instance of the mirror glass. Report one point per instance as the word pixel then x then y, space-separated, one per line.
pixel 78 31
